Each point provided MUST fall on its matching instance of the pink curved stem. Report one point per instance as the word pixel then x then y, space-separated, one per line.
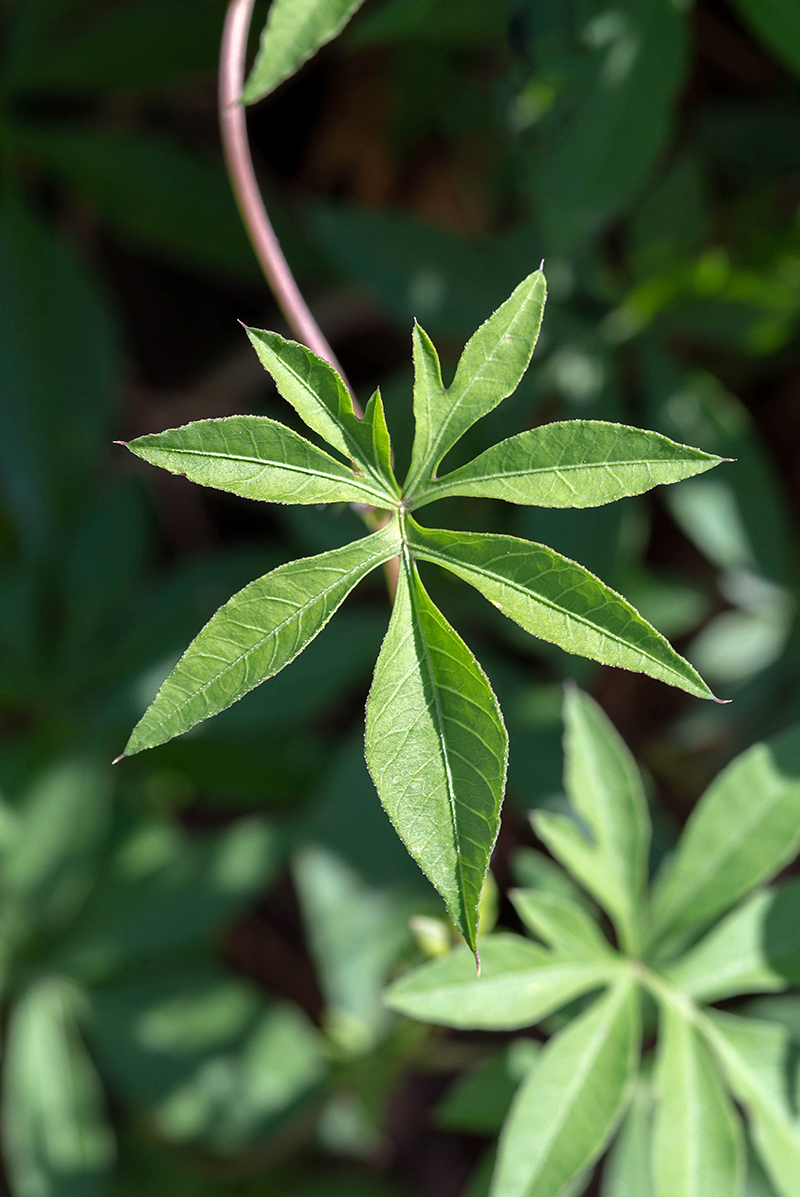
pixel 233 126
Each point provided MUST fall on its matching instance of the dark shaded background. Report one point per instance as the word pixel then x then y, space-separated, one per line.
pixel 200 937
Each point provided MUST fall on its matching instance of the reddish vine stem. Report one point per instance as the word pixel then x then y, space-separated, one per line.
pixel 235 145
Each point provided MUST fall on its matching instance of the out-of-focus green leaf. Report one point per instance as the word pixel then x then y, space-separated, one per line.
pixel 755 1057
pixel 355 933
pixel 562 924
pixel 134 45
pixel 534 870
pixel 756 948
pixel 256 458
pixel 577 463
pixel 437 748
pixel 557 600
pixel 152 192
pixel 259 631
pixel 698 1142
pixel 56 1141
pixel 162 893
pixel 777 22
pixel 478 1101
pixel 746 826
pixel 470 23
pixel 294 31
pixel 489 370
pixel 567 1109
pixel 602 136
pixel 58 374
pixel 627 1171
pixel 519 984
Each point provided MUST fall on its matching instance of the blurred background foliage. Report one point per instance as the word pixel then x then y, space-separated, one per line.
pixel 193 945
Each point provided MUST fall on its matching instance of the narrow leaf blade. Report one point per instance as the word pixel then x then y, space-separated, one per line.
pixel 574 463
pixel 320 398
pixel 698 1142
pixel 567 1109
pixel 437 748
pixel 563 925
pixel 755 1057
pixel 491 366
pixel 294 31
pixel 557 600
pixel 255 634
pixel 519 984
pixel 754 949
pixel 256 458
pixel 744 829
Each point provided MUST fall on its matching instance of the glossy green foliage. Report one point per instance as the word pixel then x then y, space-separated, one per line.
pixel 681 1134
pixel 295 30
pixel 435 744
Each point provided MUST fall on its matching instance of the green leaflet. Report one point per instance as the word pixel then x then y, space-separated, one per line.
pixel 557 600
pixel 628 1171
pixel 295 30
pixel 746 826
pixel 605 789
pixel 563 925
pixel 256 458
pixel 575 463
pixel 698 1143
pixel 755 949
pixel 436 747
pixel 256 633
pixel 519 984
pixel 755 1057
pixel 320 398
pixel 489 370
pixel 55 1135
pixel 567 1109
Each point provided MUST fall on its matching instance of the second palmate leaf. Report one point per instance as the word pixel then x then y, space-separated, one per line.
pixel 436 745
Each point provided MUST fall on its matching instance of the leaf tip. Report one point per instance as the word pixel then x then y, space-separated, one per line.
pixel 541 264
pixel 123 443
pixel 477 962
pixel 722 702
pixel 119 758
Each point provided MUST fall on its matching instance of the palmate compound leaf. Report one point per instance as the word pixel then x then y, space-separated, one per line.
pixel 564 925
pixel 574 463
pixel 744 829
pixel 489 370
pixel 605 789
pixel 256 633
pixel 698 1145
pixel 756 1058
pixel 557 600
pixel 294 31
pixel 520 984
pixel 256 458
pixel 566 1110
pixel 437 749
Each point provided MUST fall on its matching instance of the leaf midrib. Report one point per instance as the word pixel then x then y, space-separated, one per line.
pixel 442 559
pixel 277 465
pixel 451 479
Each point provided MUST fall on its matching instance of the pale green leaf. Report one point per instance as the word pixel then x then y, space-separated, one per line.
pixel 575 463
pixel 628 1170
pixel 436 747
pixel 698 1143
pixel 562 924
pixel 754 949
pixel 519 984
pixel 56 1140
pixel 490 368
pixel 755 1057
pixel 557 600
pixel 478 1102
pixel 567 1109
pixel 294 31
pixel 256 458
pixel 256 633
pixel 323 402
pixel 744 829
